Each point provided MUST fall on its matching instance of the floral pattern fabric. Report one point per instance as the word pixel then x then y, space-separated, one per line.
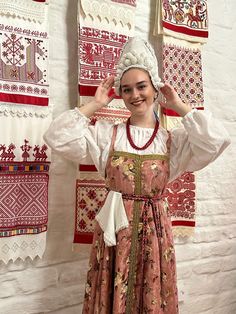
pixel 138 275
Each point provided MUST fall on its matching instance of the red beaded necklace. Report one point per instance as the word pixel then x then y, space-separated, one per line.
pixel 149 142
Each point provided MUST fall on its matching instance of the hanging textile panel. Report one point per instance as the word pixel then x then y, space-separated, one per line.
pixel 104 27
pixel 90 196
pixel 183 19
pixel 24 52
pixel 182 68
pixel 102 32
pixel 180 194
pixel 24 167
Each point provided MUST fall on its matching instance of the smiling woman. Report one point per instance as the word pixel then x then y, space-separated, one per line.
pixel 132 264
pixel 139 95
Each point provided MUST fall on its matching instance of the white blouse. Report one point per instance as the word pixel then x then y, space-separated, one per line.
pixel 201 140
pixel 198 143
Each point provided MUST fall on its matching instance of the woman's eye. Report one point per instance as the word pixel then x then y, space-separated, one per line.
pixel 126 90
pixel 142 86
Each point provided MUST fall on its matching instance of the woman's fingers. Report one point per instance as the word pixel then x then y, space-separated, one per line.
pixel 167 89
pixel 108 82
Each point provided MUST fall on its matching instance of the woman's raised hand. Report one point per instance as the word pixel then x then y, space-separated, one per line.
pixel 173 101
pixel 102 96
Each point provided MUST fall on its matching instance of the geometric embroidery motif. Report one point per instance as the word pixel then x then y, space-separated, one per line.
pixel 23 202
pixel 23 189
pixel 90 196
pixel 180 195
pixel 23 65
pixel 182 68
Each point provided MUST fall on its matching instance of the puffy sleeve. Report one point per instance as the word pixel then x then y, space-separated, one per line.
pixel 198 143
pixel 72 136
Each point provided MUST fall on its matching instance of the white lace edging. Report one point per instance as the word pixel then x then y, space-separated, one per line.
pixel 180 43
pixel 25 9
pixel 22 246
pixel 112 12
pixel 24 111
pixel 183 232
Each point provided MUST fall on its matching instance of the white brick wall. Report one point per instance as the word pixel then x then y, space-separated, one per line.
pixel 207 263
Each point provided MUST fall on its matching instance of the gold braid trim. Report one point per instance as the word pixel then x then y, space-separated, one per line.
pixel 140 158
pixel 132 258
pixel 134 238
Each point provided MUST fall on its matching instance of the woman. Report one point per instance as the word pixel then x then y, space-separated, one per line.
pixel 132 263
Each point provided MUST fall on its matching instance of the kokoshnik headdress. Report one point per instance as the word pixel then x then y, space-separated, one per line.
pixel 137 53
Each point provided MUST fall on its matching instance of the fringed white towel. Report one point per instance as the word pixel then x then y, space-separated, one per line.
pixel 112 217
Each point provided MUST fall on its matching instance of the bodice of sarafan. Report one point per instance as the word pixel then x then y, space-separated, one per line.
pixel 131 178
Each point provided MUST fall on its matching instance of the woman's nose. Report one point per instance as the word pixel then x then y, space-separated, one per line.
pixel 135 93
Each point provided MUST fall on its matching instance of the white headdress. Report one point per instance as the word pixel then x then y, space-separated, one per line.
pixel 137 53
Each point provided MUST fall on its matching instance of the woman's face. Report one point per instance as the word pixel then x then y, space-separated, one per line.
pixel 137 91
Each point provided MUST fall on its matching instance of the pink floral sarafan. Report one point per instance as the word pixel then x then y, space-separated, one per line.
pixel 138 275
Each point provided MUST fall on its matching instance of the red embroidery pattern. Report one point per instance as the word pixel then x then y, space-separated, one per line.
pixel 182 68
pixel 7 153
pixel 22 31
pixel 99 52
pixel 23 189
pixel 23 198
pixel 187 17
pixel 180 195
pixel 110 114
pixel 21 79
pixel 129 2
pixel 90 196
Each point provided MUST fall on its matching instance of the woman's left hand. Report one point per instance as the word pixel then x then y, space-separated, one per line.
pixel 173 101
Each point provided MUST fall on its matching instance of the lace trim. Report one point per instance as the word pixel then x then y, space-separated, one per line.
pixel 182 232
pixel 24 111
pixel 25 9
pixel 180 43
pixel 111 12
pixel 22 246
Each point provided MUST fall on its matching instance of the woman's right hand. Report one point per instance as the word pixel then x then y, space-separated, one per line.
pixel 102 97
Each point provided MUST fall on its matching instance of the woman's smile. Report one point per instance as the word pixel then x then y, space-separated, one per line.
pixel 137 102
pixel 138 92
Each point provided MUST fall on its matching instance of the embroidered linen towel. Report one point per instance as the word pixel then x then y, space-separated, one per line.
pixel 24 167
pixel 100 43
pixel 183 19
pixel 102 33
pixel 24 52
pixel 182 68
